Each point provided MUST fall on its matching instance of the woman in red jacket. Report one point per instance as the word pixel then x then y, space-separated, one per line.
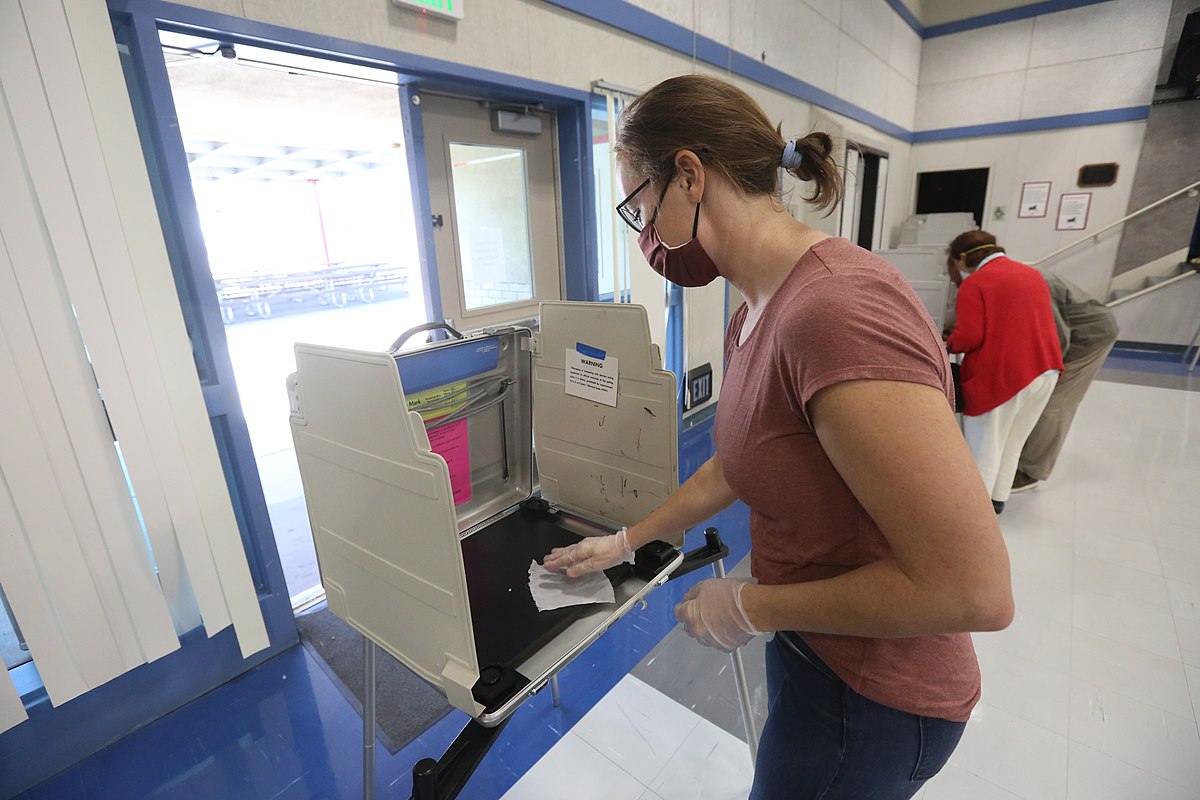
pixel 1004 326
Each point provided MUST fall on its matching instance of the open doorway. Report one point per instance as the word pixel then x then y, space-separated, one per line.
pixel 865 174
pixel 953 190
pixel 302 186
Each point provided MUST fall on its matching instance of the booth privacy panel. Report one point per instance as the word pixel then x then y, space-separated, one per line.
pixel 614 462
pixel 379 503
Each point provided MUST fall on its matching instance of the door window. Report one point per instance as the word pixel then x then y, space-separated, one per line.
pixel 491 201
pixel 493 192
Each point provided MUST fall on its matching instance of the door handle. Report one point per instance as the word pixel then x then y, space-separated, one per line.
pixel 437 220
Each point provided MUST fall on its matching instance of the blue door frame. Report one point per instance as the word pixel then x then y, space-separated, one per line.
pixel 53 739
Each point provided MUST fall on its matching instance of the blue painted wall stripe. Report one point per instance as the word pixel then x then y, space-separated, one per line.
pixel 909 17
pixel 1001 17
pixel 1131 114
pixel 755 70
pixel 631 19
pixel 634 20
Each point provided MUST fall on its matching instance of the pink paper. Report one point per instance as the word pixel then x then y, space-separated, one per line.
pixel 451 443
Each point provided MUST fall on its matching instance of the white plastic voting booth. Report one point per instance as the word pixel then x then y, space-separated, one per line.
pixel 925 269
pixel 937 230
pixel 419 475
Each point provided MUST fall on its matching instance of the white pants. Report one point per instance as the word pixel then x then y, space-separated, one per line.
pixel 996 438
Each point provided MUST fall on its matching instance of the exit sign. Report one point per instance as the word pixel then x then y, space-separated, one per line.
pixel 700 386
pixel 450 9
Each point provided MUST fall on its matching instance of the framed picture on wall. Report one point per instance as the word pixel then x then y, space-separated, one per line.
pixel 1073 211
pixel 1035 199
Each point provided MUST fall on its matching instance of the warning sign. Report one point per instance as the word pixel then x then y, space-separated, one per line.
pixel 592 378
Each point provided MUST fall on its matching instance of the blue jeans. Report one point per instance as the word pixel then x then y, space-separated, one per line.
pixel 824 741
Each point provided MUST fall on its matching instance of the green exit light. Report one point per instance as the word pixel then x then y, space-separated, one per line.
pixel 449 9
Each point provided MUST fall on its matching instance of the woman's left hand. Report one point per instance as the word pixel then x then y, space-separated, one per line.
pixel 712 613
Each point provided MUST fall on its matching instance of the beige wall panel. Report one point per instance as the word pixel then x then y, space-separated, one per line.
pixel 573 52
pixel 232 7
pixel 498 35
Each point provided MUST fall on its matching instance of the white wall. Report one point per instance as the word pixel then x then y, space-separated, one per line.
pixel 1168 316
pixel 1095 58
pixel 1048 156
pixel 858 50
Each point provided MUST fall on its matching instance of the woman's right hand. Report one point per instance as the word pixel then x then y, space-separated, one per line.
pixel 591 554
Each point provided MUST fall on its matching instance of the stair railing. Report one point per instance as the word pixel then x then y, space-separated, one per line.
pixel 1190 190
pixel 1152 288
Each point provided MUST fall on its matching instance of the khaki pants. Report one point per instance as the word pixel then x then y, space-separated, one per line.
pixel 1046 441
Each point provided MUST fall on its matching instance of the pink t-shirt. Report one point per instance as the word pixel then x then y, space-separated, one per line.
pixel 841 314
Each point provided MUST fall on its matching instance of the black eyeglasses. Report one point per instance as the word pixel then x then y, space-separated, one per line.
pixel 633 215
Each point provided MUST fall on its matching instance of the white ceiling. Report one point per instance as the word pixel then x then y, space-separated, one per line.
pixel 257 118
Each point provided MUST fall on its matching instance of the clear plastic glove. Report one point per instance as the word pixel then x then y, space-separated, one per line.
pixel 712 613
pixel 591 554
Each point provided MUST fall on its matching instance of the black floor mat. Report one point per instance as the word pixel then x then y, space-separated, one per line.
pixel 405 705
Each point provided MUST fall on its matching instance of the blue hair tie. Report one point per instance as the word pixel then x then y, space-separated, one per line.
pixel 791 159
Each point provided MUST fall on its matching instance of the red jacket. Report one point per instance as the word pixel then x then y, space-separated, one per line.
pixel 1005 327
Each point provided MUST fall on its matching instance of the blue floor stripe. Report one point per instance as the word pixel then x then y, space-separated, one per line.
pixel 1158 362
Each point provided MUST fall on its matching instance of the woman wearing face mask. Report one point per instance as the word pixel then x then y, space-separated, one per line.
pixel 1004 325
pixel 873 543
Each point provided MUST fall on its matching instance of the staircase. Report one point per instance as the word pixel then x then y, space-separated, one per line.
pixel 1184 268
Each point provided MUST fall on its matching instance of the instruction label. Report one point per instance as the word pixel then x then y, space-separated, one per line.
pixel 451 441
pixel 440 397
pixel 592 378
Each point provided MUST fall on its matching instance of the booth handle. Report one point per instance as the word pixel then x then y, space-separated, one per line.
pixel 427 326
pixel 712 551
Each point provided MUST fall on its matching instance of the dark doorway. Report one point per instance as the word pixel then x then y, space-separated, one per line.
pixel 953 190
pixel 869 181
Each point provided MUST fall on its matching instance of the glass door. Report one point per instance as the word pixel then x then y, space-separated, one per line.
pixel 493 194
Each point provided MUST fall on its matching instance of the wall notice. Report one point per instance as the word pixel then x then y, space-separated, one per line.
pixel 592 378
pixel 1073 211
pixel 1035 197
pixel 450 441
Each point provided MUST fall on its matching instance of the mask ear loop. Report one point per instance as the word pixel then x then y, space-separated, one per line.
pixel 696 221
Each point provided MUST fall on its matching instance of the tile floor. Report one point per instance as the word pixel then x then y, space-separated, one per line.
pixel 1093 692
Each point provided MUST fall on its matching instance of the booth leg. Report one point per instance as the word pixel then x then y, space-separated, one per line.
pixel 743 688
pixel 368 719
pixel 445 778
pixel 554 695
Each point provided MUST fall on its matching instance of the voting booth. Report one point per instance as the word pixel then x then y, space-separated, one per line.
pixel 936 230
pixel 925 269
pixel 418 473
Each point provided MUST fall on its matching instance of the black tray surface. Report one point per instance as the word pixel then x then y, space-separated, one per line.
pixel 508 626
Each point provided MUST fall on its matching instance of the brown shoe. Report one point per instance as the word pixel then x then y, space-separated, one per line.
pixel 1023 483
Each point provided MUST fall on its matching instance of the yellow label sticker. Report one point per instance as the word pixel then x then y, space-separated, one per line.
pixel 438 396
